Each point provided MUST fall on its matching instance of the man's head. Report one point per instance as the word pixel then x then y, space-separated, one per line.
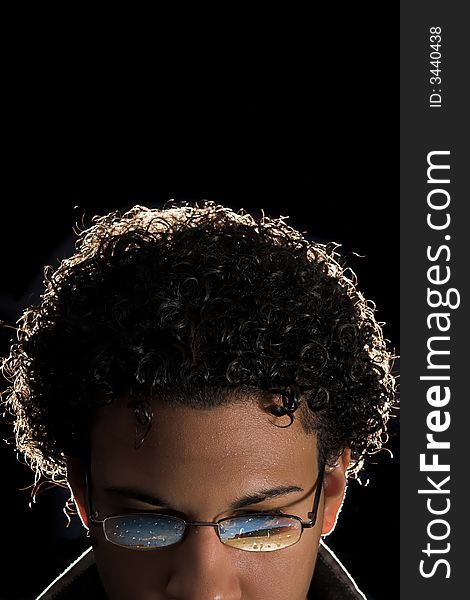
pixel 176 347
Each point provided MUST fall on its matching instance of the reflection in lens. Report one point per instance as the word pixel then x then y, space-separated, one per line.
pixel 261 533
pixel 144 531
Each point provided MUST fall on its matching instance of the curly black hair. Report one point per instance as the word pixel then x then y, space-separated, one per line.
pixel 194 304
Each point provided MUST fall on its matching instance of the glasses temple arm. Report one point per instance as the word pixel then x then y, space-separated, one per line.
pixel 313 514
pixel 88 503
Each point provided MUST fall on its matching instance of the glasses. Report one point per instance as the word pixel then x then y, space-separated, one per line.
pixel 253 532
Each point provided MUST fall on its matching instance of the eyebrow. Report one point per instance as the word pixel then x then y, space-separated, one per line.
pixel 247 500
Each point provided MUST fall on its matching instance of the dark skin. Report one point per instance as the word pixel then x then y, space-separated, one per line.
pixel 200 461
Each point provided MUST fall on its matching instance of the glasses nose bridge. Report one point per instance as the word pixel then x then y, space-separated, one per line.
pixel 201 524
pixel 196 524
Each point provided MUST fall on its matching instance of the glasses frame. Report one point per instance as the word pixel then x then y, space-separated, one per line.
pixel 93 515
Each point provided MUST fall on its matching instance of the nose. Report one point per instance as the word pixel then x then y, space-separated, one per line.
pixel 203 568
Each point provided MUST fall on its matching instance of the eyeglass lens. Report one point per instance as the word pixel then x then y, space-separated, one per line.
pixel 259 533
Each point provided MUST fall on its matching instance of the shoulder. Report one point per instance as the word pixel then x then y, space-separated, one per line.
pixel 79 580
pixel 331 580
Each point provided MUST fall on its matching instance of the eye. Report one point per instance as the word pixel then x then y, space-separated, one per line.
pixel 272 511
pixel 172 513
pixel 142 511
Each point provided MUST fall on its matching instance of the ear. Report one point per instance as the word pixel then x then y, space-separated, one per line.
pixel 77 485
pixel 334 487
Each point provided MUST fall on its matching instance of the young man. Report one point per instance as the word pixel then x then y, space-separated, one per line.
pixel 204 382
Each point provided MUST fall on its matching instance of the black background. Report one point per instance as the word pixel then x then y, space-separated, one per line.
pixel 289 127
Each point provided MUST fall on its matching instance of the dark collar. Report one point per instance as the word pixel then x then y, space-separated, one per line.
pixel 80 580
pixel 330 580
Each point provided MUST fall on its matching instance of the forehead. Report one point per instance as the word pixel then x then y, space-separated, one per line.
pixel 184 441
